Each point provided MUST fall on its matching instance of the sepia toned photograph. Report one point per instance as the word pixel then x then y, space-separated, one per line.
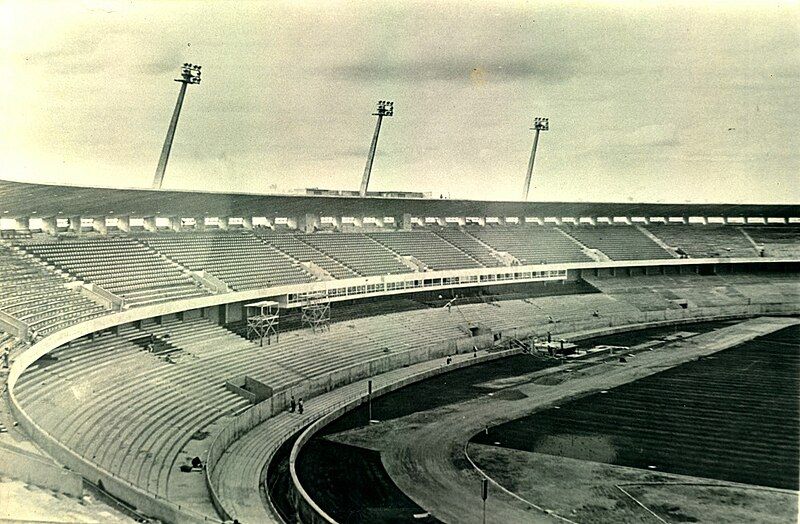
pixel 399 262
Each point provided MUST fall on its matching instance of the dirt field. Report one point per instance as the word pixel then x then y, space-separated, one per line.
pixel 423 451
pixel 587 492
pixel 731 416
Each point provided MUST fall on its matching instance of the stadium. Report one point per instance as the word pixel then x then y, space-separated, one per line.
pixel 138 342
pixel 181 353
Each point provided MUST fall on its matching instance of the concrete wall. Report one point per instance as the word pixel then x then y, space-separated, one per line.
pixel 28 468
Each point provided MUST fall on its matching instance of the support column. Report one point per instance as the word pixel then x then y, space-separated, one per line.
pixel 22 224
pixel 306 223
pixel 75 224
pixel 124 223
pixel 247 222
pixel 404 223
pixel 150 224
pixel 99 225
pixel 50 225
pixel 175 223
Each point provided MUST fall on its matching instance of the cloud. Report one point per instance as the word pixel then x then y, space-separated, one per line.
pixel 546 68
pixel 653 135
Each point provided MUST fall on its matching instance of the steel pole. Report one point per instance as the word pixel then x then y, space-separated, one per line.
pixel 370 158
pixel 173 124
pixel 529 175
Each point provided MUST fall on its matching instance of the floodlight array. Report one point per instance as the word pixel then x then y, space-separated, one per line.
pixel 190 73
pixel 385 108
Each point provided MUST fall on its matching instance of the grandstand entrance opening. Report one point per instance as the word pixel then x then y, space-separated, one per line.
pixel 316 312
pixel 262 321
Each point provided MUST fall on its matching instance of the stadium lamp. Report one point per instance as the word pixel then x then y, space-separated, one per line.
pixel 190 75
pixel 539 124
pixel 385 108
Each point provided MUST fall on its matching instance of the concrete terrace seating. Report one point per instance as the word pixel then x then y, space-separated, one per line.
pixel 38 297
pixel 120 265
pixel 532 244
pixel 705 241
pixel 428 248
pixel 617 242
pixel 471 246
pixel 138 411
pixel 237 258
pixel 294 247
pixel 777 241
pixel 700 291
pixel 358 252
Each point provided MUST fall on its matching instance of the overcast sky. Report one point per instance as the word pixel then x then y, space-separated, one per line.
pixel 666 102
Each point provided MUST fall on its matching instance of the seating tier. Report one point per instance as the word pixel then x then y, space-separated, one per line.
pixel 358 252
pixel 705 241
pixel 532 244
pixel 618 242
pixel 237 258
pixel 120 265
pixel 430 249
pixel 39 297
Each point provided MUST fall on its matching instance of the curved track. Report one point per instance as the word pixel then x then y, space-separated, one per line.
pixel 427 460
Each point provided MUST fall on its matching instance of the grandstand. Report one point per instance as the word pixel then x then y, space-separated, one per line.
pixel 120 265
pixel 706 241
pixel 240 260
pixel 533 245
pixel 113 303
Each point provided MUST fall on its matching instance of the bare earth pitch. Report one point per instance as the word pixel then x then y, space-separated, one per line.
pixel 424 453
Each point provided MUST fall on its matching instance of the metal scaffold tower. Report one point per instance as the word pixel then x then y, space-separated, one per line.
pixel 262 321
pixel 316 312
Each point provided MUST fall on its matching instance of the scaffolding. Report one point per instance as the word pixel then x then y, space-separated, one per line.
pixel 263 322
pixel 316 312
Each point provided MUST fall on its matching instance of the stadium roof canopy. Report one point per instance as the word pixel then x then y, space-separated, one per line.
pixel 20 199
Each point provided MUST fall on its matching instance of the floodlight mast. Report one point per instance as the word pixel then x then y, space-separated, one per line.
pixel 385 108
pixel 539 124
pixel 190 74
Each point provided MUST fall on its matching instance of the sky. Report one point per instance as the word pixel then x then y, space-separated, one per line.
pixel 648 101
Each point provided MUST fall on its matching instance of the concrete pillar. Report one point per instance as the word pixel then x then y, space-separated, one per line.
pixel 124 223
pixel 306 223
pixel 175 223
pixel 150 224
pixel 222 222
pixel 75 224
pixel 247 222
pixel 404 222
pixel 22 224
pixel 50 225
pixel 99 225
